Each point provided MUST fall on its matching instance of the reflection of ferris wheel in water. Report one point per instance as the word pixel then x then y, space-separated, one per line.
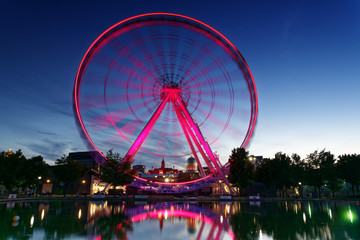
pixel 166 85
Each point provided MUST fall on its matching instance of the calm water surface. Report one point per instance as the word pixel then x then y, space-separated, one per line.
pixel 179 220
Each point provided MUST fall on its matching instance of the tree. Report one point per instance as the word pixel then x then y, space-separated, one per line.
pixel 329 171
pixel 319 169
pixel 277 172
pixel 115 171
pixel 11 169
pixel 33 168
pixel 312 171
pixel 263 175
pixel 298 170
pixel 241 173
pixel 283 172
pixel 69 171
pixel 298 166
pixel 349 166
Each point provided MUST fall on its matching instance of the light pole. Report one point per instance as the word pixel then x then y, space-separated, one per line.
pixel 220 189
pixel 83 187
pixel 37 189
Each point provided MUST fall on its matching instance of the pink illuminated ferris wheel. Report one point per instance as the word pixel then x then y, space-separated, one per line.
pixel 165 85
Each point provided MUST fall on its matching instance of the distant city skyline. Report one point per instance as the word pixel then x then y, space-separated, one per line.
pixel 304 57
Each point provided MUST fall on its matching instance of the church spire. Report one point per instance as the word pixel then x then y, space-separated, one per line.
pixel 163 164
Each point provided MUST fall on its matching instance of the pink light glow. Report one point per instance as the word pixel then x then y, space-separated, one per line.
pixel 178 183
pixel 141 138
pixel 180 213
pixel 187 121
pixel 172 94
pixel 195 139
pixel 172 213
pixel 190 143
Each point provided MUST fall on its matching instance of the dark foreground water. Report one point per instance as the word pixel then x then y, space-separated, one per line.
pixel 179 220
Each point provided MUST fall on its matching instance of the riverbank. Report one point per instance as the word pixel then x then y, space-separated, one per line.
pixel 160 198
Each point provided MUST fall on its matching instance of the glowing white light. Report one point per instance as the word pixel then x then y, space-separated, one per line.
pixel 221 218
pixel 79 214
pixel 304 217
pixel 32 221
pixel 166 215
pixel 260 235
pixel 42 214
pixel 330 214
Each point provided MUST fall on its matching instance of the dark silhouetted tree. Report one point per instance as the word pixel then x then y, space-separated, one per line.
pixel 349 166
pixel 329 171
pixel 69 171
pixel 241 173
pixel 319 169
pixel 33 168
pixel 298 167
pixel 115 172
pixel 277 172
pixel 11 169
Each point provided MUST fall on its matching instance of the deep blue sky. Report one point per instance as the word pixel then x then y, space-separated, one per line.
pixel 304 56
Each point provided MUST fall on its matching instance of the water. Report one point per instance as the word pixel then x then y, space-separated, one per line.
pixel 179 220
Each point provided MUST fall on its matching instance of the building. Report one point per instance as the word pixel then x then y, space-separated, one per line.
pixel 257 160
pixel 191 165
pixel 162 174
pixel 163 169
pixel 89 184
pixel 140 168
pixel 9 152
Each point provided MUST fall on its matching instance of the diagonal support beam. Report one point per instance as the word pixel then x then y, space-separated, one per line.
pixel 189 127
pixel 145 132
pixel 194 138
pixel 203 143
pixel 184 128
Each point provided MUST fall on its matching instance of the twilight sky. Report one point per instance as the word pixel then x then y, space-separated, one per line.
pixel 304 56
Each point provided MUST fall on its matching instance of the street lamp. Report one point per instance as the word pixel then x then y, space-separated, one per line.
pixel 83 189
pixel 38 183
pixel 220 187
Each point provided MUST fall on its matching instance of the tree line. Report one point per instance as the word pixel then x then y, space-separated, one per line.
pixel 18 172
pixel 317 169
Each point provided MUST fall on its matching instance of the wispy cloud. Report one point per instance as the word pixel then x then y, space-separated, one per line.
pixel 50 149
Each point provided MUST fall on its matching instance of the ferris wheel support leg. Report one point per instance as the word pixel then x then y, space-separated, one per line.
pixel 194 127
pixel 201 230
pixel 142 136
pixel 194 138
pixel 220 230
pixel 189 141
pixel 211 233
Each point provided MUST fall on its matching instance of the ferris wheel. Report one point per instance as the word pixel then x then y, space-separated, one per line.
pixel 165 85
